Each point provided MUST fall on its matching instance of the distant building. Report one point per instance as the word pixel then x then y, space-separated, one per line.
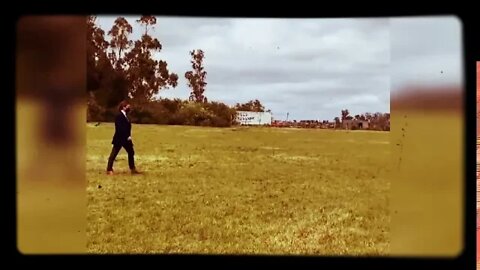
pixel 355 124
pixel 254 118
pixel 347 123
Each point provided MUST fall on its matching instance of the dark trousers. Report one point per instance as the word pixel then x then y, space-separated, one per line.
pixel 116 148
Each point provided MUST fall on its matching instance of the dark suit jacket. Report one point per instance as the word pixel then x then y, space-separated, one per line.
pixel 123 129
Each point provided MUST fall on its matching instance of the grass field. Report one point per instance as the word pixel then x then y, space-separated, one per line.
pixel 240 191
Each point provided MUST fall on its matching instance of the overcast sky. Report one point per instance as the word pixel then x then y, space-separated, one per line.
pixel 311 68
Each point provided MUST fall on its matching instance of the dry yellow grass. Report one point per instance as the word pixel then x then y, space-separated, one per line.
pixel 240 191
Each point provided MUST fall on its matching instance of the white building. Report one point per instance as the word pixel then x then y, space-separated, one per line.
pixel 254 118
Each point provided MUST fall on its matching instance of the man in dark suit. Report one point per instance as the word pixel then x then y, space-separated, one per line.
pixel 122 138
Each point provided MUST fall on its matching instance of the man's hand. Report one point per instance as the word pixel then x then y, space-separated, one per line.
pixel 129 138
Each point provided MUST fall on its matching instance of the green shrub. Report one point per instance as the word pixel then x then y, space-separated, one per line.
pixel 170 112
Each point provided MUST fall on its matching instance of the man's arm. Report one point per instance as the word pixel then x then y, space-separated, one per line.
pixel 129 131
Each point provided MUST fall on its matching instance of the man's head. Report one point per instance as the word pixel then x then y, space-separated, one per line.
pixel 124 106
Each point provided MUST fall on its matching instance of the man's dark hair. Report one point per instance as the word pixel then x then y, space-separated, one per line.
pixel 122 105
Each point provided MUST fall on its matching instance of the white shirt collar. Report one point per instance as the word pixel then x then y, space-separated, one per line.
pixel 124 113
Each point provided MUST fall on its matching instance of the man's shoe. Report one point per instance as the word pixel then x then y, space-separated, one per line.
pixel 109 172
pixel 134 171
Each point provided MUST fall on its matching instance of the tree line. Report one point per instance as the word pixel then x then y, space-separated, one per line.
pixel 367 121
pixel 376 121
pixel 125 69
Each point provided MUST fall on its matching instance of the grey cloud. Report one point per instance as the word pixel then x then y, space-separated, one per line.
pixel 426 51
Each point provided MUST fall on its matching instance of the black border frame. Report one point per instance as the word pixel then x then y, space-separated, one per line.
pixel 471 46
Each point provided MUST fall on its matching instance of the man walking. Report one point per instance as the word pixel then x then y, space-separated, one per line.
pixel 122 138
